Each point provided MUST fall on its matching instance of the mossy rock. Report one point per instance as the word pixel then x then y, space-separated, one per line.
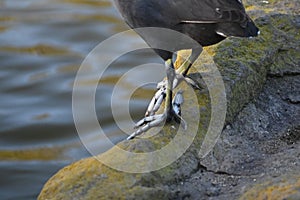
pixel 244 65
pixel 283 187
pixel 261 8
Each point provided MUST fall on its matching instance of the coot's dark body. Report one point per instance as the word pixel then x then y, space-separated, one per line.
pixel 206 21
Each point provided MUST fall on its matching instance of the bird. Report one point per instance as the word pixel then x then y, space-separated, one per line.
pixel 207 22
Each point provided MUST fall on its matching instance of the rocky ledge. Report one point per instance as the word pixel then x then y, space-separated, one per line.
pixel 257 154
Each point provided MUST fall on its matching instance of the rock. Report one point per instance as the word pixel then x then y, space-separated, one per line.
pixel 251 148
pixel 259 8
pixel 260 145
pixel 283 187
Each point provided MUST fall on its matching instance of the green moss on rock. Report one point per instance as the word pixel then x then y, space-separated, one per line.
pixel 283 187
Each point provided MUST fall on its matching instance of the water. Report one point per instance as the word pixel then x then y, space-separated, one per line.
pixel 42 45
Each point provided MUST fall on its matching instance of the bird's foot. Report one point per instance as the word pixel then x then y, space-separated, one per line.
pixel 160 94
pixel 156 120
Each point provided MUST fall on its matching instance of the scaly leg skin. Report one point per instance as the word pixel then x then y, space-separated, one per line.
pixel 172 108
pixel 185 67
pixel 160 94
pixel 155 120
pixel 180 75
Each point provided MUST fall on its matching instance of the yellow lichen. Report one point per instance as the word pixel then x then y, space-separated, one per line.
pixel 273 191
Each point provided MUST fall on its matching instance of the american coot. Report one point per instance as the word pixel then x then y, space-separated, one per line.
pixel 205 21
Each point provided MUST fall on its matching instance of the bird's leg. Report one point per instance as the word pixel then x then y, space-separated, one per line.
pixel 170 78
pixel 185 67
pixel 180 75
pixel 172 107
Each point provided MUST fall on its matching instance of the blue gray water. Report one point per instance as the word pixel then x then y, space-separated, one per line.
pixel 42 44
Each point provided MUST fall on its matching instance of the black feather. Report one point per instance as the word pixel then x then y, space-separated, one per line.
pixel 206 21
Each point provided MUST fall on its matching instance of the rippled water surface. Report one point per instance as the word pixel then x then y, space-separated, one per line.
pixel 42 45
